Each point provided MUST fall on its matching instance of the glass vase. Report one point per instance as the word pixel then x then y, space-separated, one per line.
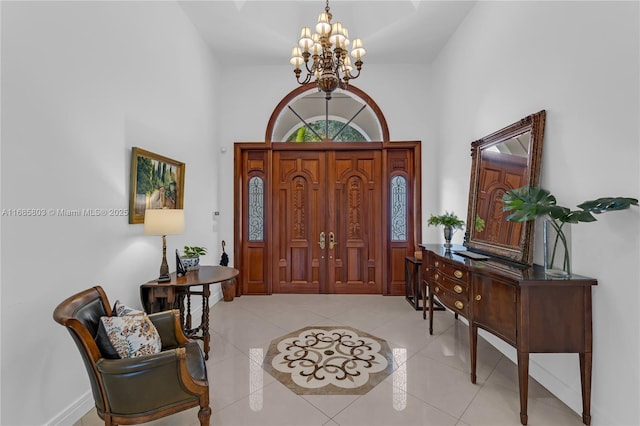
pixel 557 245
pixel 448 233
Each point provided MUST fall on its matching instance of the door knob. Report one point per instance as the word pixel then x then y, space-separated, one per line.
pixel 321 242
pixel 332 241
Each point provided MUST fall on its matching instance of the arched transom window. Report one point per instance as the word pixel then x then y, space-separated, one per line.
pixel 305 115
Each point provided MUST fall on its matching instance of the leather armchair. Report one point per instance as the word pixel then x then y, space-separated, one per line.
pixel 137 390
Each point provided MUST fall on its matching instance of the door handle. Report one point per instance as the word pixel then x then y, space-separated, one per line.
pixel 332 241
pixel 321 242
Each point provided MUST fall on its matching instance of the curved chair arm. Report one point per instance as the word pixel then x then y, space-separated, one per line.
pixel 170 329
pixel 135 385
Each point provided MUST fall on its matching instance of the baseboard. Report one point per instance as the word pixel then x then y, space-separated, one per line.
pixel 74 412
pixel 80 407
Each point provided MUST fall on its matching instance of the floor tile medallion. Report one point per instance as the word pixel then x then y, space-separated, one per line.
pixel 329 361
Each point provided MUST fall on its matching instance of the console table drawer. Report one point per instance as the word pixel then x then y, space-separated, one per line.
pixel 451 270
pixel 452 301
pixel 458 287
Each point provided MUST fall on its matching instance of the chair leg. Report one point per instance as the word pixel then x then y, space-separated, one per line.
pixel 204 415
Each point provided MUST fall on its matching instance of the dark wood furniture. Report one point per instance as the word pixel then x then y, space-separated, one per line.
pixel 115 383
pixel 412 281
pixel 176 294
pixel 519 304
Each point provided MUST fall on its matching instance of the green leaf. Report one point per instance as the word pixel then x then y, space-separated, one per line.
pixel 520 216
pixel 608 204
pixel 528 203
pixel 577 216
pixel 557 212
pixel 446 219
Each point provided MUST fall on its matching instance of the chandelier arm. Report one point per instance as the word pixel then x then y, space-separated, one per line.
pixel 306 80
pixel 352 76
pixel 306 55
pixel 309 70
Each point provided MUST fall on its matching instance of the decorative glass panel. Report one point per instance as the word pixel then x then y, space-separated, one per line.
pixel 398 208
pixel 334 127
pixel 256 209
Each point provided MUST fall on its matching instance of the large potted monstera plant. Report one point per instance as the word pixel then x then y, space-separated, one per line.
pixel 527 203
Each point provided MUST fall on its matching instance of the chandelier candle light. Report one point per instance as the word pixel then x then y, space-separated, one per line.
pixel 328 48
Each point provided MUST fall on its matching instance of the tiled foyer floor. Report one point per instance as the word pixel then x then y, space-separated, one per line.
pixel 429 386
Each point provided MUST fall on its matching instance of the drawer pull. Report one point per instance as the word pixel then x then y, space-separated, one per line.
pixel 437 289
pixel 459 304
pixel 437 263
pixel 457 289
pixel 436 277
pixel 478 297
pixel 458 274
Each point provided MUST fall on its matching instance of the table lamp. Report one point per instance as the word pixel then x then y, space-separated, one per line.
pixel 164 222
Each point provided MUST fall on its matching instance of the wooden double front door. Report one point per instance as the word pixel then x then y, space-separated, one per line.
pixel 326 218
pixel 328 227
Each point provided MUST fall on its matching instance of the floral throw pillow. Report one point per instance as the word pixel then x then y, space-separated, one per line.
pixel 132 335
pixel 120 310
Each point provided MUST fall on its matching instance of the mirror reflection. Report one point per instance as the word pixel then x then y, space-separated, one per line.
pixel 504 167
pixel 506 159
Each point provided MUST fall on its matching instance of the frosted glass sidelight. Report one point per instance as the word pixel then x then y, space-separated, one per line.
pixel 256 209
pixel 398 208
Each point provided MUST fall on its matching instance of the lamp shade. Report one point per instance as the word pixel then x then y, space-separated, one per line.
pixel 163 221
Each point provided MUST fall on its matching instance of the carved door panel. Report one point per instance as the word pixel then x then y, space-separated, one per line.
pixel 299 212
pixel 355 222
pixel 327 222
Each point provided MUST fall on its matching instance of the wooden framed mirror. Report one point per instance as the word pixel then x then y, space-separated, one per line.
pixel 504 160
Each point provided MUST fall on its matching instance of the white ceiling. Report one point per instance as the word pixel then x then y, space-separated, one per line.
pixel 244 32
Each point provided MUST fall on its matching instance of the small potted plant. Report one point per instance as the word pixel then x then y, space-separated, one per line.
pixel 191 257
pixel 450 221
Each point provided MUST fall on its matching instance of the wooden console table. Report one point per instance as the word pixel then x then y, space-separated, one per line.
pixel 518 304
pixel 157 297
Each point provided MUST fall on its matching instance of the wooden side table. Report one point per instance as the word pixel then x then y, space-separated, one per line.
pixel 157 297
pixel 412 280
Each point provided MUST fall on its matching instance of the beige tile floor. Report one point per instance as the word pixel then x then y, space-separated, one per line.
pixel 430 384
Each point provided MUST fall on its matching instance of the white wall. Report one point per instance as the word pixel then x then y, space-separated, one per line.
pixel 82 83
pixel 580 62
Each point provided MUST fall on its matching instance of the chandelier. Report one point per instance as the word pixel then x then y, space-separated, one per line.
pixel 328 49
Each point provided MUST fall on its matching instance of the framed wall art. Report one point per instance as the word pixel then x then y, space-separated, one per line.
pixel 157 182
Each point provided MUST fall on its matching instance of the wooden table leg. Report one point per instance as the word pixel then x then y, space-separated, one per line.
pixel 473 349
pixel 205 320
pixel 523 380
pixel 585 379
pixel 187 323
pixel 417 277
pixel 424 300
